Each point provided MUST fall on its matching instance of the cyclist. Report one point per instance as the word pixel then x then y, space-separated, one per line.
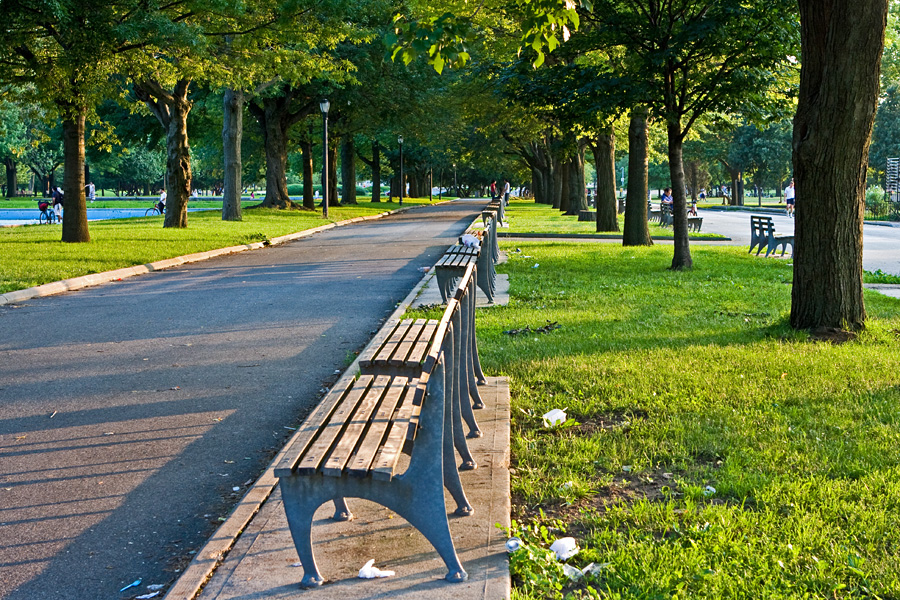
pixel 161 205
pixel 46 214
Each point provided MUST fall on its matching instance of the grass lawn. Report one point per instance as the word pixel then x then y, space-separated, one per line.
pixel 527 216
pixel 34 255
pixel 711 451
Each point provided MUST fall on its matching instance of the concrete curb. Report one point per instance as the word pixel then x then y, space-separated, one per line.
pixel 208 559
pixel 76 283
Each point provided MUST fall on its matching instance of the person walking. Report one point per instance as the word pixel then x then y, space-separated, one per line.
pixel 493 189
pixel 58 203
pixel 92 191
pixel 789 195
pixel 506 192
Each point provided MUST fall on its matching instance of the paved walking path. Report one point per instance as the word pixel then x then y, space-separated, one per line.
pixel 133 415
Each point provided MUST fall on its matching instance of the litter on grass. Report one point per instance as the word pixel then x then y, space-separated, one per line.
pixel 565 548
pixel 370 571
pixel 555 417
pixel 709 491
pixel 572 573
pixel 513 544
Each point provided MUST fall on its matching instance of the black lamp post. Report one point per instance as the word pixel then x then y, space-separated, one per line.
pixel 324 105
pixel 455 184
pixel 402 183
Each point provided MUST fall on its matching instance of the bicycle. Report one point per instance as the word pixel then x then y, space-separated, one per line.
pixel 47 215
pixel 157 209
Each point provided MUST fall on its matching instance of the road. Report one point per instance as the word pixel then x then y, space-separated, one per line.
pixel 134 414
pixel 881 244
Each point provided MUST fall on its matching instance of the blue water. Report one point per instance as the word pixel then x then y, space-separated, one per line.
pixel 29 216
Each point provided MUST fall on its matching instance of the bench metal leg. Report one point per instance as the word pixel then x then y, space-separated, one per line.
pixel 459 394
pixel 341 510
pixel 443 281
pixel 417 495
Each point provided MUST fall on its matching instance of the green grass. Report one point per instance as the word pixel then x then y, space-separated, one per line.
pixel 527 216
pixel 34 255
pixel 685 380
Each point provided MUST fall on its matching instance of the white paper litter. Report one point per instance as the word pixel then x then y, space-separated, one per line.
pixel 594 568
pixel 709 491
pixel 147 596
pixel 155 586
pixel 470 241
pixel 555 417
pixel 370 571
pixel 565 548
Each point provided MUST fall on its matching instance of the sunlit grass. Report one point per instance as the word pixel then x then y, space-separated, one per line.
pixel 686 380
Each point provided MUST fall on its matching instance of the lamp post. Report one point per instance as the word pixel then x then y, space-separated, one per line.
pixel 455 184
pixel 402 183
pixel 324 105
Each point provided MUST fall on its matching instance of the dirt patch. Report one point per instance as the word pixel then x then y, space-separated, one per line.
pixel 832 334
pixel 620 420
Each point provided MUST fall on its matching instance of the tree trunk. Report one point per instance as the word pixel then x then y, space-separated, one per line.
pixel 681 259
pixel 537 185
pixel 604 149
pixel 376 172
pixel 12 183
pixel 275 140
pixel 332 171
pixel 577 195
pixel 636 231
pixel 232 133
pixel 348 171
pixel 563 174
pixel 171 109
pixel 306 151
pixel 178 159
pixel 842 44
pixel 75 223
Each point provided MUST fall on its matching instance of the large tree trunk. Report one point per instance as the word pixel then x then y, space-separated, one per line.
pixel 178 159
pixel 12 183
pixel 604 149
pixel 309 197
pixel 842 43
pixel 681 259
pixel 537 185
pixel 171 109
pixel 75 223
pixel 275 137
pixel 636 231
pixel 348 171
pixel 232 133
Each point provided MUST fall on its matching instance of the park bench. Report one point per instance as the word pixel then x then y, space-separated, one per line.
pixel 450 267
pixel 762 233
pixel 497 206
pixel 411 397
pixel 694 223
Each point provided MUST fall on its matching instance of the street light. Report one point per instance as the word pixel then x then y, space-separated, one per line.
pixel 324 105
pixel 455 185
pixel 402 183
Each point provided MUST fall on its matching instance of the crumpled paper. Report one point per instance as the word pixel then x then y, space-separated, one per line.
pixel 555 417
pixel 470 241
pixel 565 548
pixel 370 571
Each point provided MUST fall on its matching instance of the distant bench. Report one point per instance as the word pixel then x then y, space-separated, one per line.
pixel 762 233
pixel 450 267
pixel 417 386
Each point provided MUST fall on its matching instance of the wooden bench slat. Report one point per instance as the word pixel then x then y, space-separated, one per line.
pixel 366 358
pixel 356 426
pixel 328 433
pixel 385 463
pixel 417 354
pixel 362 459
pixel 401 354
pixel 388 348
pixel 313 423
